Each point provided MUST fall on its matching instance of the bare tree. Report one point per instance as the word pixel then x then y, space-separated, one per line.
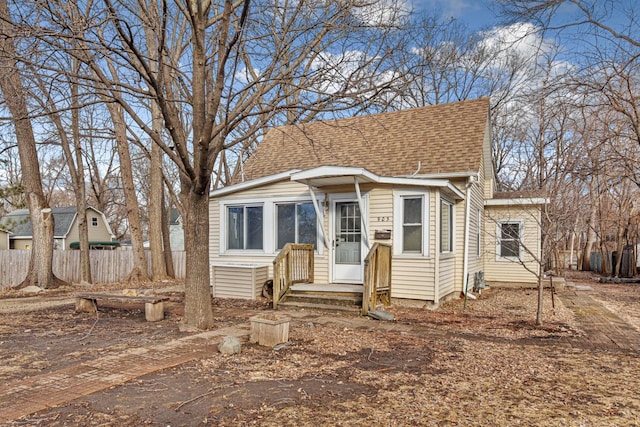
pixel 222 71
pixel 40 266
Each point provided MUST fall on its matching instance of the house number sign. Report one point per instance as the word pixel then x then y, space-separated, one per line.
pixel 383 218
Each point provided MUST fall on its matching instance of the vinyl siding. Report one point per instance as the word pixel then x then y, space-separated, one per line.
pixel 475 261
pixel 238 281
pixel 380 213
pixel 486 166
pixel 447 275
pixel 505 271
pixel 412 279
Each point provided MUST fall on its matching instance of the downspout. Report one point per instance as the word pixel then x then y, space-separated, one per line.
pixel 467 219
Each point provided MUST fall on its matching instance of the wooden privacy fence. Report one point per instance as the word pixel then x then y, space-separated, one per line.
pixel 106 266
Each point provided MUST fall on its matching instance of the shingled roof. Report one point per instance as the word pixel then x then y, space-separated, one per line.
pixel 20 225
pixel 442 139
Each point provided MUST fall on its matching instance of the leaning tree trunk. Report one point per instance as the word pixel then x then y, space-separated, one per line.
pixel 139 272
pixel 591 237
pixel 198 311
pixel 166 239
pixel 40 271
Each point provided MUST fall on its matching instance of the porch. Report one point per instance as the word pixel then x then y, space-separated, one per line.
pixel 294 286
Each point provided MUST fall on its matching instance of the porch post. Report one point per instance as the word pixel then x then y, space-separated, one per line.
pixel 363 220
pixel 320 216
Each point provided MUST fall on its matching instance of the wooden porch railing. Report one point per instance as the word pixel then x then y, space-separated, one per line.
pixel 294 264
pixel 377 277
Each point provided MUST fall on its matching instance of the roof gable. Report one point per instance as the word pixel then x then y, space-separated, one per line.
pixel 20 225
pixel 439 139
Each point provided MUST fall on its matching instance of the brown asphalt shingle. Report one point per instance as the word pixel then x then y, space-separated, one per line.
pixel 444 138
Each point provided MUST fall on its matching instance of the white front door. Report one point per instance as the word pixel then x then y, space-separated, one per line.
pixel 347 242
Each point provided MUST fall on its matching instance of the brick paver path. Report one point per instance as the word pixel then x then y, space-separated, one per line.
pixel 23 397
pixel 603 328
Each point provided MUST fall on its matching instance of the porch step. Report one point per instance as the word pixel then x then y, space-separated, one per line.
pixel 323 301
pixel 316 306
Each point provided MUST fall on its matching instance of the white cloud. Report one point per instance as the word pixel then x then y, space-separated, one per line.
pixel 383 13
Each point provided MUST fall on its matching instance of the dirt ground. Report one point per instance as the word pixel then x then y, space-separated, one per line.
pixel 483 365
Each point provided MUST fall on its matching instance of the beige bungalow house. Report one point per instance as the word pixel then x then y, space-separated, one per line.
pixel 65 231
pixel 418 182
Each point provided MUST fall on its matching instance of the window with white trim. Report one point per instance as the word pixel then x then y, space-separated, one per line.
pixel 509 239
pixel 446 226
pixel 94 221
pixel 245 227
pixel 295 223
pixel 411 223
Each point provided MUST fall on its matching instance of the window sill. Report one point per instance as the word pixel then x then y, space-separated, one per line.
pixel 246 253
pixel 508 259
pixel 411 256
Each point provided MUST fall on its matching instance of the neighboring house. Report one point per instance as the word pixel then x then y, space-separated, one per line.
pixel 176 232
pixel 420 179
pixel 65 228
pixel 4 239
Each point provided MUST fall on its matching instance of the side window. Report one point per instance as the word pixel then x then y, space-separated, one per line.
pixel 509 238
pixel 94 221
pixel 446 226
pixel 296 223
pixel 244 227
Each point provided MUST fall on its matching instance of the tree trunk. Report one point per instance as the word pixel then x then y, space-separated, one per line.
pixel 540 300
pixel 591 237
pixel 79 187
pixel 198 311
pixel 158 266
pixel 166 239
pixel 41 263
pixel 139 272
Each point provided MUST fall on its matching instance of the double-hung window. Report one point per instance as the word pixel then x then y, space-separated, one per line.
pixel 509 239
pixel 296 223
pixel 245 227
pixel 411 223
pixel 446 226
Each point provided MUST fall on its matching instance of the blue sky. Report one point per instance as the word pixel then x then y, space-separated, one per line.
pixel 477 14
